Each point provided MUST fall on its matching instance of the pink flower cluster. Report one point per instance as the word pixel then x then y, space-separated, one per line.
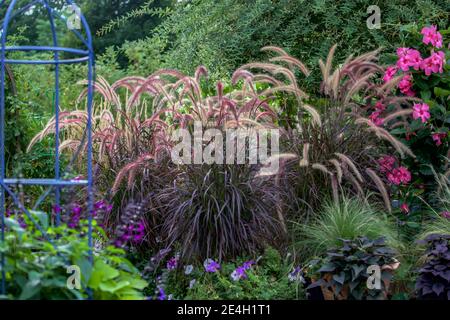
pixel 437 138
pixel 390 73
pixel 375 117
pixel 405 86
pixel 408 58
pixel 432 36
pixel 411 58
pixel 387 163
pixel 395 175
pixel 421 111
pixel 398 176
pixel 434 63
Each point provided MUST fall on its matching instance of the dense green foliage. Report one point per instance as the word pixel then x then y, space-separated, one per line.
pixel 222 35
pixel 37 269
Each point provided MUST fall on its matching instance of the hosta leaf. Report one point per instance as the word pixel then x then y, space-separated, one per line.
pixel 329 267
pixel 340 278
pixel 112 286
pixel 438 288
pixel 357 269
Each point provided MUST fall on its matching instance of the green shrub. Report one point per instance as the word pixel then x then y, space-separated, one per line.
pixel 36 269
pixel 266 278
pixel 222 35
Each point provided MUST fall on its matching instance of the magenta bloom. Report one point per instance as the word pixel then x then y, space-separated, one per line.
pixel 421 111
pixel 387 163
pixel 432 36
pixel 405 85
pixel 434 63
pixel 445 214
pixel 408 58
pixel 379 106
pixel 390 73
pixel 437 138
pixel 376 119
pixel 399 176
pixel 405 208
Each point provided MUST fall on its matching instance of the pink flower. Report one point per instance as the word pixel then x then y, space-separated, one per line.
pixel 405 85
pixel 421 111
pixel 400 175
pixel 431 35
pixel 434 63
pixel 390 73
pixel 405 208
pixel 445 214
pixel 379 106
pixel 437 138
pixel 387 163
pixel 375 118
pixel 408 58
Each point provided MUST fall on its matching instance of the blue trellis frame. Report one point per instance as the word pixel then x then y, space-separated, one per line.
pixel 83 55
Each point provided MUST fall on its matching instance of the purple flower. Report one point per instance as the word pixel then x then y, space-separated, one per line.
pixel 247 265
pixel 77 210
pixel 211 266
pixel 239 274
pixel 161 294
pixel 172 263
pixel 296 275
pixel 56 209
pixel 100 205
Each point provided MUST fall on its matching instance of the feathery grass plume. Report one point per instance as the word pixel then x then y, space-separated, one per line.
pixel 385 135
pixel 351 164
pixel 341 141
pixel 304 162
pixel 338 168
pixel 346 219
pixel 381 187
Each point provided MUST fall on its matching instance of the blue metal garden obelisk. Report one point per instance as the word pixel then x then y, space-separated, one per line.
pixel 83 55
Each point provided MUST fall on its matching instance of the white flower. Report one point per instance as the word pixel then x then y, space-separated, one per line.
pixel 188 269
pixel 192 283
pixel 235 276
pixel 207 262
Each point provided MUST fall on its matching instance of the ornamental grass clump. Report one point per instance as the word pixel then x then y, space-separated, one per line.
pixel 334 141
pixel 347 219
